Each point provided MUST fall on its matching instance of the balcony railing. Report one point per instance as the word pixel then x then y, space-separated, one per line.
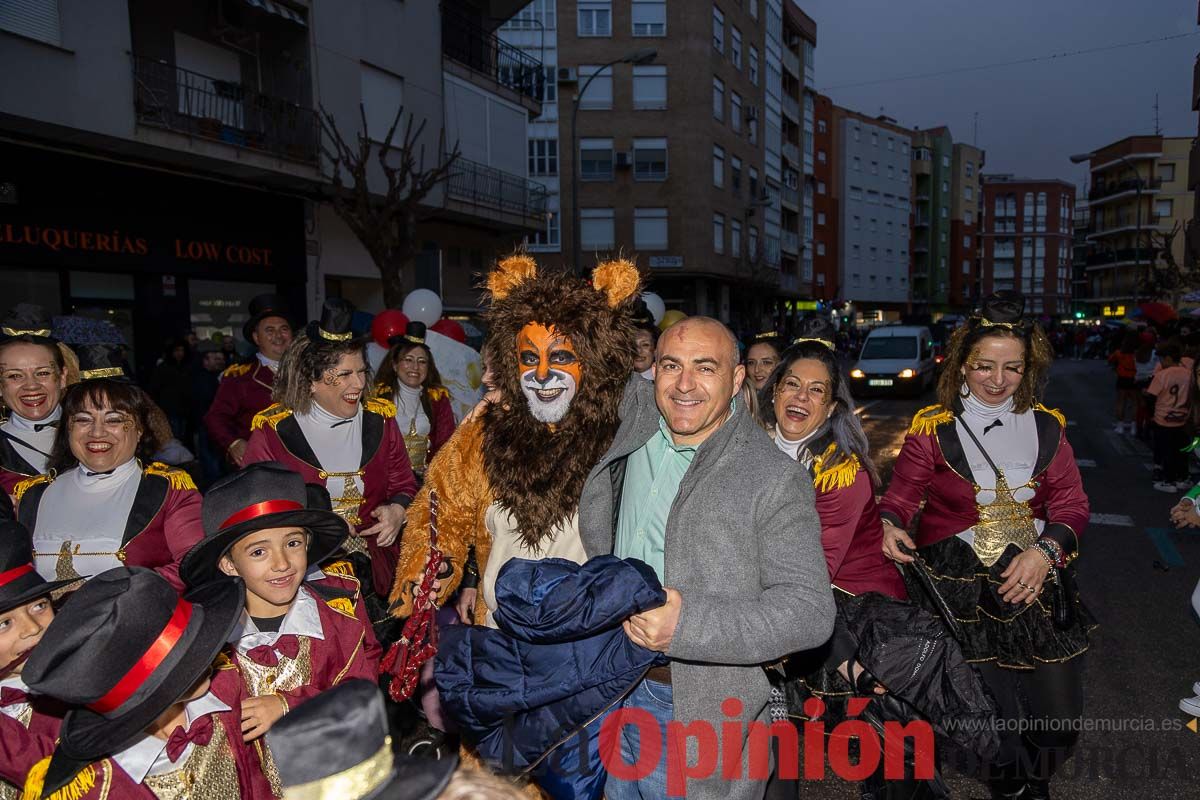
pixel 481 185
pixel 1127 254
pixel 792 153
pixel 167 96
pixel 790 242
pixel 473 46
pixel 1109 188
pixel 790 196
pixel 791 62
pixel 791 108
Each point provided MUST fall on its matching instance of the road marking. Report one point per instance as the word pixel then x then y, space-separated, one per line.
pixel 1085 462
pixel 1166 548
pixel 1114 520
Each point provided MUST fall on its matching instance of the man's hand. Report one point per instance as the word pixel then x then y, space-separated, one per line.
pixel 655 628
pixel 391 518
pixel 259 714
pixel 466 605
pixel 237 452
pixel 892 538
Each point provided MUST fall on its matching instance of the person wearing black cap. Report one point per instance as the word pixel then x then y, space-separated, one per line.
pixel 348 726
pixel 34 370
pixel 1004 507
pixel 300 633
pixel 103 502
pixel 328 427
pixel 148 717
pixel 410 379
pixel 245 389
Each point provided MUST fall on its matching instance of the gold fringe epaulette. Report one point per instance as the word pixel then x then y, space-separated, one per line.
pixel 928 418
pixel 77 789
pixel 826 478
pixel 236 370
pixel 342 605
pixel 179 479
pixel 437 393
pixel 1054 412
pixel 383 391
pixel 380 406
pixel 271 415
pixel 24 486
pixel 343 569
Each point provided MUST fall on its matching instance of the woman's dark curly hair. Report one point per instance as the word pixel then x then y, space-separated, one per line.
pixel 305 362
pixel 1000 315
pixel 104 393
pixel 387 377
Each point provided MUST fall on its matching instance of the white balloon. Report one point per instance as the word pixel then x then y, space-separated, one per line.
pixel 655 305
pixel 423 305
pixel 375 355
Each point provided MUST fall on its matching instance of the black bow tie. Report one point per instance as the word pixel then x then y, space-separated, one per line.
pixel 98 474
pixel 341 422
pixel 38 427
pixel 995 424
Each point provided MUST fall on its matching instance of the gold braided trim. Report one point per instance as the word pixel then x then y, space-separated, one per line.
pixel 338 678
pixel 360 780
pixel 926 420
pixel 43 332
pixel 835 476
pixel 77 789
pixel 271 415
pixel 179 479
pixel 24 486
pixel 342 605
pixel 804 339
pixel 1054 412
pixel 987 323
pixel 380 406
pixel 335 337
pixel 106 372
pixel 236 370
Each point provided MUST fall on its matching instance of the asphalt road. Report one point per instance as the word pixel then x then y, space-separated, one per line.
pixel 1135 574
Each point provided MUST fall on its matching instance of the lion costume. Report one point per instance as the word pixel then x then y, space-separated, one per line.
pixel 508 482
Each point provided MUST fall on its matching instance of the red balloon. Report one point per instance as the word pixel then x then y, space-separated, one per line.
pixel 388 323
pixel 449 328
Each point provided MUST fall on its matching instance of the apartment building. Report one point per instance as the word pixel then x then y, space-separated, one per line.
pixel 1080 250
pixel 1028 240
pixel 966 211
pixel 165 155
pixel 827 195
pixel 1139 189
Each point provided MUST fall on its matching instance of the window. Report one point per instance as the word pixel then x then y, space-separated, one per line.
pixel 874 224
pixel 718 30
pixel 857 164
pixel 856 193
pixel 650 228
pixel 820 248
pixel 857 133
pixel 548 91
pixel 650 87
pixel 946 162
pixel 753 64
pixel 874 253
pixel 1163 208
pixel 969 217
pixel 595 18
pixel 718 166
pixel 735 46
pixel 966 242
pixel 538 15
pixel 596 159
pixel 596 228
pixel 966 267
pixel 945 213
pixel 891 170
pixel 904 148
pixel 735 173
pixel 735 238
pixel 753 8
pixel 943 237
pixel 821 218
pixel 1166 172
pixel 969 193
pixel 752 241
pixel 649 159
pixel 753 183
pixel 874 139
pixel 718 98
pixel 543 157
pixel 820 187
pixel 821 127
pixel 547 239
pixel 752 129
pixel 888 199
pixel 382 92
pixel 718 233
pixel 857 223
pixel 649 17
pixel 946 187
pixel 872 197
pixel 891 143
pixel 735 111
pixel 874 166
pixel 856 250
pixel 970 169
pixel 1041 211
pixel 37 19
pixel 599 94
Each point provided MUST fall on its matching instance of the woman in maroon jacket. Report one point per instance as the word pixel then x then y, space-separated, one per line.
pixel 1004 507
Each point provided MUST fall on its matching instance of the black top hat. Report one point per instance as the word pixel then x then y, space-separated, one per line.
pixel 27 319
pixel 101 361
pixel 122 650
pixel 334 327
pixel 20 582
pixel 1005 306
pixel 348 726
pixel 263 495
pixel 261 307
pixel 818 330
pixel 414 333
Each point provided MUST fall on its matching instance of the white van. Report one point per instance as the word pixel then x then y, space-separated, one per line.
pixel 895 358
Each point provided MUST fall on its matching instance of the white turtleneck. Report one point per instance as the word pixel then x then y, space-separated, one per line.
pixel 408 408
pixel 25 430
pixel 335 441
pixel 90 511
pixel 267 362
pixel 792 449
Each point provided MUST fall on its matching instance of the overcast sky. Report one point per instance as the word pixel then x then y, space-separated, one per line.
pixel 1031 116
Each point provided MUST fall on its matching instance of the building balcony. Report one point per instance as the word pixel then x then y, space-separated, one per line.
pixel 176 99
pixel 466 43
pixel 923 167
pixel 791 109
pixel 1107 191
pixel 790 197
pixel 1116 258
pixel 789 242
pixel 792 153
pixel 1125 223
pixel 791 62
pixel 921 221
pixel 477 190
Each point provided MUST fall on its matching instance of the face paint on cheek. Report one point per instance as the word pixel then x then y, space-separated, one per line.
pixel 332 379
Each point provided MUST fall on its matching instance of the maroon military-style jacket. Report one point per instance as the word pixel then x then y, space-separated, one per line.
pixel 387 475
pixel 932 467
pixel 244 390
pixel 163 524
pixel 13 468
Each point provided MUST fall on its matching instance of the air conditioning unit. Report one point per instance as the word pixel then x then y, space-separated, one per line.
pixel 751 113
pixel 568 75
pixel 624 160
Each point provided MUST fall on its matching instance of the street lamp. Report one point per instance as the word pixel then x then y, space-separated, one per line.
pixel 1079 158
pixel 639 58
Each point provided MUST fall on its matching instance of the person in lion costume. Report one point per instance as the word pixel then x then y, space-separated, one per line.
pixel 508 481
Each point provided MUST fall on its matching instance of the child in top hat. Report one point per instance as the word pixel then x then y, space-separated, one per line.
pixel 300 632
pixel 148 717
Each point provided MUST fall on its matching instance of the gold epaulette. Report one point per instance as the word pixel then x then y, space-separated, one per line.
pixel 1054 412
pixel 223 661
pixel 78 788
pixel 179 479
pixel 383 391
pixel 380 406
pixel 437 393
pixel 236 370
pixel 826 478
pixel 342 605
pixel 928 418
pixel 271 415
pixel 24 486
pixel 343 569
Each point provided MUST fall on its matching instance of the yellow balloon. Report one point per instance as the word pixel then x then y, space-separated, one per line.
pixel 670 317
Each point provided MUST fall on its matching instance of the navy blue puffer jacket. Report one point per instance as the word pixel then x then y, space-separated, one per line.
pixel 559 660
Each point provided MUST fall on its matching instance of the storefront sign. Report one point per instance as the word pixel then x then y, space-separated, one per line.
pixel 666 261
pixel 132 245
pixel 1114 311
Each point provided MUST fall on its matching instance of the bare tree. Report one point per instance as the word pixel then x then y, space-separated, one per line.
pixel 385 224
pixel 1168 280
pixel 755 278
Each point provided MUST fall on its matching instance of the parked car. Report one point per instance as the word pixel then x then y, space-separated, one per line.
pixel 895 358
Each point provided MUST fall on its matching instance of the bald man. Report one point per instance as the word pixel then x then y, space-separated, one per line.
pixel 696 489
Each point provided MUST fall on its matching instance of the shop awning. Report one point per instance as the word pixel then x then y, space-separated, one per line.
pixel 277 9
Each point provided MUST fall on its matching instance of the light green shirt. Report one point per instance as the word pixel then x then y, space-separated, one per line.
pixel 652 476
